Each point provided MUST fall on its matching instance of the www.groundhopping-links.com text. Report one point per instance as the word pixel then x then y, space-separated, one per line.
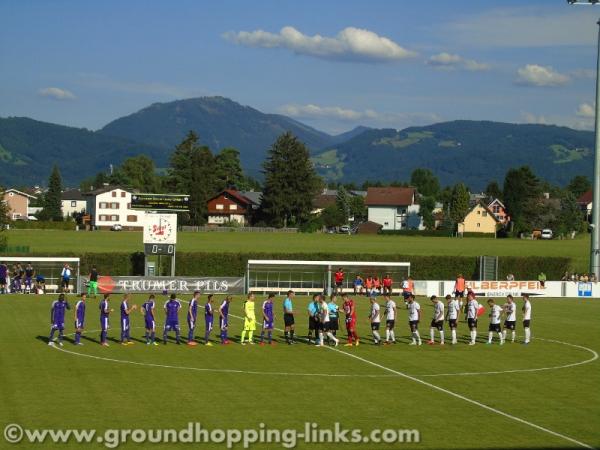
pixel 194 433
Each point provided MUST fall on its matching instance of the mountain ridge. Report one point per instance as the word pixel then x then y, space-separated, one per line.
pixel 472 151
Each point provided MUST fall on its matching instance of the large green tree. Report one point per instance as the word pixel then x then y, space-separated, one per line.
pixel 521 191
pixel 358 209
pixel 342 201
pixel 290 185
pixel 426 207
pixel 192 171
pixel 229 171
pixel 52 199
pixel 459 203
pixel 493 190
pixel 426 182
pixel 139 172
pixel 570 215
pixel 579 185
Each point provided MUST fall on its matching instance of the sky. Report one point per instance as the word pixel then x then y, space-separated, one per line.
pixel 331 64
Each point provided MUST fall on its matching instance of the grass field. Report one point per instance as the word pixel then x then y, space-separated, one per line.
pixel 456 396
pixel 49 241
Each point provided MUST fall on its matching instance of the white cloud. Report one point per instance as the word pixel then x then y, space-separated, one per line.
pixel 349 44
pixel 452 61
pixel 365 117
pixel 55 93
pixel 541 76
pixel 330 112
pixel 528 117
pixel 525 27
pixel 586 110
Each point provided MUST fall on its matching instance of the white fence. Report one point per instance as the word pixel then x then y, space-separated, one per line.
pixel 515 288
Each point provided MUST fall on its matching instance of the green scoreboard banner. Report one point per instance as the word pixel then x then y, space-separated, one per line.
pixel 160 202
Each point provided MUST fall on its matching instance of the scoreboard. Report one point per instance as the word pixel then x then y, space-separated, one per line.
pixel 160 202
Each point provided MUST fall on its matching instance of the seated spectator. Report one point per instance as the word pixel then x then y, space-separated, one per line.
pixel 510 277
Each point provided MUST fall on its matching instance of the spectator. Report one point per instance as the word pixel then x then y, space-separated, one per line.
pixel 510 277
pixel 542 279
pixel 593 278
pixel 566 277
pixel 65 277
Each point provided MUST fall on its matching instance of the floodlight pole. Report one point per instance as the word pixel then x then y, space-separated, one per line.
pixel 595 245
pixel 595 241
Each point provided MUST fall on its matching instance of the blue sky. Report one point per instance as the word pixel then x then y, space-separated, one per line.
pixel 333 65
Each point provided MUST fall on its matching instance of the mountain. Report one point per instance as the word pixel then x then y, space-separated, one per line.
pixel 219 122
pixel 470 151
pixel 475 152
pixel 29 148
pixel 343 137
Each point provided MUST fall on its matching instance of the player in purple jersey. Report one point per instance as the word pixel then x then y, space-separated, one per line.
pixel 172 307
pixel 105 311
pixel 29 274
pixel 79 319
pixel 191 318
pixel 268 320
pixel 3 276
pixel 57 319
pixel 126 310
pixel 208 319
pixel 224 319
pixel 148 311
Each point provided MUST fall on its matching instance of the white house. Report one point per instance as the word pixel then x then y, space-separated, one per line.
pixel 394 208
pixel 111 205
pixel 72 202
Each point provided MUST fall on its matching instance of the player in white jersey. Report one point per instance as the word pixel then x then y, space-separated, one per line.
pixel 437 322
pixel 414 316
pixel 472 309
pixel 510 309
pixel 375 319
pixel 453 308
pixel 324 328
pixel 495 316
pixel 526 318
pixel 391 311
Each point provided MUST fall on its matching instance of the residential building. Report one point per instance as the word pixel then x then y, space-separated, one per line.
pixel 499 210
pixel 585 203
pixel 230 206
pixel 111 205
pixel 72 202
pixel 394 208
pixel 18 203
pixel 480 219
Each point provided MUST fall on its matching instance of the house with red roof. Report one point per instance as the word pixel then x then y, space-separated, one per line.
pixel 394 208
pixel 230 205
pixel 585 203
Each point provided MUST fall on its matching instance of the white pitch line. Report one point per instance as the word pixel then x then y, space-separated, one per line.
pixel 402 375
pixel 539 369
pixel 459 396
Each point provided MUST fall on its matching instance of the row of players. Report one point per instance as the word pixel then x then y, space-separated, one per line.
pixel 323 319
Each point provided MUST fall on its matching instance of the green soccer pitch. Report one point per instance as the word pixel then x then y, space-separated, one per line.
pixel 542 395
pixel 48 242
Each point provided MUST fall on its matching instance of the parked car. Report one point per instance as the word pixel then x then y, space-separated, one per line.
pixel 344 229
pixel 546 234
pixel 116 227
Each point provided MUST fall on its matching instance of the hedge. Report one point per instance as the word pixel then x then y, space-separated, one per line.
pixel 42 225
pixel 234 264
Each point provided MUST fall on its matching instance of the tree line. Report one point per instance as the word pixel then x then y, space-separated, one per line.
pixel 291 184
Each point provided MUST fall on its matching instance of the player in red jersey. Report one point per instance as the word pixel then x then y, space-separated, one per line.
pixel 339 281
pixel 350 311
